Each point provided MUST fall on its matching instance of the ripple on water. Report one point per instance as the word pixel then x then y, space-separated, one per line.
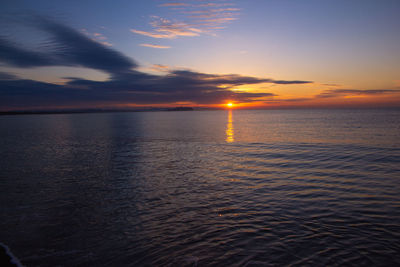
pixel 147 195
pixel 301 204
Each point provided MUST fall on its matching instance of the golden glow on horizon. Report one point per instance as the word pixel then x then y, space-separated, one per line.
pixel 229 105
pixel 229 128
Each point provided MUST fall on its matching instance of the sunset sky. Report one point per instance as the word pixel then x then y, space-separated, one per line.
pixel 156 53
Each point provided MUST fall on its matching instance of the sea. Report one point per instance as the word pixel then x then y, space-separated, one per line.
pixel 305 187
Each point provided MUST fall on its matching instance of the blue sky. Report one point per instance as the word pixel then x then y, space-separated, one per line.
pixel 349 49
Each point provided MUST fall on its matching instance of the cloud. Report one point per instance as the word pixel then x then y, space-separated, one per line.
pixel 126 84
pixel 231 80
pixel 76 49
pixel 160 68
pixel 164 28
pixel 100 36
pixel 215 21
pixel 20 57
pixel 106 43
pixel 289 100
pixel 129 88
pixel 151 34
pixel 132 88
pixel 199 19
pixel 355 92
pixel 155 46
pixel 287 82
pixel 67 47
pixel 335 93
pixel 224 10
pixel 7 76
pixel 331 84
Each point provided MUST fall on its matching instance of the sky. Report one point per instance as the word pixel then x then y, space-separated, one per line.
pixel 159 53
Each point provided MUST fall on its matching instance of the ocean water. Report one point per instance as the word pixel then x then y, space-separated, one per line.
pixel 202 188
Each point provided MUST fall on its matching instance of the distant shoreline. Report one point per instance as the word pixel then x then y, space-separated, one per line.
pixel 82 111
pixel 44 112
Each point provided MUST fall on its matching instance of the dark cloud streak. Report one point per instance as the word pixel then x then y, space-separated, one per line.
pixel 7 76
pixel 19 57
pixel 69 48
pixel 345 92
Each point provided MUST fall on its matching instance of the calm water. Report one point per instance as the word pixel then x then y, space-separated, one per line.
pixel 244 188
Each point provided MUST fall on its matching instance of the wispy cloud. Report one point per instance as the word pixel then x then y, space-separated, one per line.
pixel 155 46
pixel 335 98
pixel 339 94
pixel 191 19
pixel 96 36
pixel 214 21
pixel 164 28
pixel 331 84
pixel 99 36
pixel 355 92
pixel 152 34
pixel 106 43
pixel 160 68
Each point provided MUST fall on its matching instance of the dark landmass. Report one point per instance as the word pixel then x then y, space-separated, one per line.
pixel 180 109
pixel 74 111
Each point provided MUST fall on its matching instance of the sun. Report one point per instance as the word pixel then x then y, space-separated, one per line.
pixel 229 104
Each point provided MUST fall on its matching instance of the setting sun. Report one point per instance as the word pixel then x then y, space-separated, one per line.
pixel 229 104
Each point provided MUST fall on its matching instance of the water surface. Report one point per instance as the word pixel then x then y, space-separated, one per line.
pixel 245 188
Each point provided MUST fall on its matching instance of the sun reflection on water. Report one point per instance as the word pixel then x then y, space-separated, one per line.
pixel 229 128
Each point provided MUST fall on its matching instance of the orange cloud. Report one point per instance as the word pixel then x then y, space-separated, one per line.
pixel 105 43
pixel 160 68
pixel 164 28
pixel 155 46
pixel 98 37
